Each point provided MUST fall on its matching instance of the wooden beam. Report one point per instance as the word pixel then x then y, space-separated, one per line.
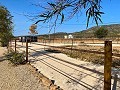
pixel 107 65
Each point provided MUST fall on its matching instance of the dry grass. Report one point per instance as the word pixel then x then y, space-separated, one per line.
pixel 91 57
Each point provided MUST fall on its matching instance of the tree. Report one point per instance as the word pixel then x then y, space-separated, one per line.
pixel 6 26
pixel 101 32
pixel 60 10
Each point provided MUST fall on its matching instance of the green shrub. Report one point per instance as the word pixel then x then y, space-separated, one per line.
pixel 101 32
pixel 16 57
pixel 6 26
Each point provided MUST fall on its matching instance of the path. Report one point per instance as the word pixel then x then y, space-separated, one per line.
pixel 68 73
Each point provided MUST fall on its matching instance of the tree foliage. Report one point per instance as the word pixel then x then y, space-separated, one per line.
pixel 33 29
pixel 6 26
pixel 60 10
pixel 101 32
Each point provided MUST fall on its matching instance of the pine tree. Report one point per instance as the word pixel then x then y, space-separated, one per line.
pixel 6 26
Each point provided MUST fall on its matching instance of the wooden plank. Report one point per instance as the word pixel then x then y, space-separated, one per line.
pixel 107 65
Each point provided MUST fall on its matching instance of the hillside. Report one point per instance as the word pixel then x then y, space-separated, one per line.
pixel 113 31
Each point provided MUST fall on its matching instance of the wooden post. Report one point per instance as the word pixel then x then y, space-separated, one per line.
pixel 10 44
pixel 117 40
pixel 45 44
pixel 8 47
pixel 26 50
pixel 15 45
pixel 71 46
pixel 107 65
pixel 22 40
pixel 64 41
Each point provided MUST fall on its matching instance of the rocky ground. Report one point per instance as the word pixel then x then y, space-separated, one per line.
pixel 19 77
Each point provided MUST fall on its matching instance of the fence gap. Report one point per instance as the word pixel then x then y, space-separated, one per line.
pixel 107 65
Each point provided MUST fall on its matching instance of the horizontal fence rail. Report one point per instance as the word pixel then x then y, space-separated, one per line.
pixel 81 50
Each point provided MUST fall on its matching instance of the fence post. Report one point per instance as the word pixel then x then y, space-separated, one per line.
pixel 117 40
pixel 22 40
pixel 44 44
pixel 11 44
pixel 15 45
pixel 93 40
pixel 26 50
pixel 71 46
pixel 107 65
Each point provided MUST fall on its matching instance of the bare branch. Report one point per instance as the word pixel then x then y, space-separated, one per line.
pixel 55 10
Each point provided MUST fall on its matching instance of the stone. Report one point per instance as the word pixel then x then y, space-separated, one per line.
pixel 46 81
pixel 54 87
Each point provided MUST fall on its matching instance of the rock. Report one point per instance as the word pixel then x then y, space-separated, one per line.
pixel 46 81
pixel 54 87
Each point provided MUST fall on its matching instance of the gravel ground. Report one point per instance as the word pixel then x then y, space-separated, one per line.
pixel 18 77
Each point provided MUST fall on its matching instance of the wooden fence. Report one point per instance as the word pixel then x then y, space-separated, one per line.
pixel 78 40
pixel 108 59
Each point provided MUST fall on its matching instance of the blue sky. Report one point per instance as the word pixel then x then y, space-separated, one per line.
pixel 20 8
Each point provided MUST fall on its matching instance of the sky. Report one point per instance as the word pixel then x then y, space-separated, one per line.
pixel 20 8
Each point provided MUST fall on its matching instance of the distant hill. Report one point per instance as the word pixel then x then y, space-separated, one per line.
pixel 113 31
pixel 54 35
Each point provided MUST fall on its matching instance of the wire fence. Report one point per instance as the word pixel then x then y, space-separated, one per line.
pixel 78 40
pixel 107 54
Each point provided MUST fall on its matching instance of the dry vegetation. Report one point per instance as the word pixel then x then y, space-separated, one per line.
pixel 91 57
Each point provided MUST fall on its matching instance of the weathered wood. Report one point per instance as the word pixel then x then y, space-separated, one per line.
pixel 107 65
pixel 26 50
